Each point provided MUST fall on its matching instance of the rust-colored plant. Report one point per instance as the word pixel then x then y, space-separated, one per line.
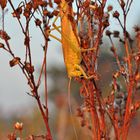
pixel 106 116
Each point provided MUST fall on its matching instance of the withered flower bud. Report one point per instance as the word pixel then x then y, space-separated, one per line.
pixel 137 28
pixel 29 68
pixel 50 15
pixel 83 123
pixel 45 12
pixel 116 14
pixel 17 12
pixel 109 8
pixel 116 74
pixel 116 34
pixel 4 35
pixel 122 4
pixel 108 33
pixel 137 76
pixel 43 3
pixel 1 45
pixel 57 1
pixel 26 13
pixel 106 23
pixel 55 12
pixel 106 16
pixel 14 61
pixel 113 49
pixel 38 22
pixel 18 126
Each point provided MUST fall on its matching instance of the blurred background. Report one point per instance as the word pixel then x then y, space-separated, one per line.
pixel 17 105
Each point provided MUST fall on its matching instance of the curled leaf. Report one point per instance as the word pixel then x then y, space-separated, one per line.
pixel 3 3
pixel 14 61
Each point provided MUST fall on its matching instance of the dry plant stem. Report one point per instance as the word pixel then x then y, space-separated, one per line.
pixel 11 4
pixel 44 116
pixel 114 124
pixel 115 54
pixel 45 86
pixel 3 19
pixel 30 76
pixel 32 85
pixel 95 122
pixel 129 86
pixel 95 118
pixel 97 91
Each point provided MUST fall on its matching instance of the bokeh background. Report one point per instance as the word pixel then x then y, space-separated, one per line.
pixel 16 105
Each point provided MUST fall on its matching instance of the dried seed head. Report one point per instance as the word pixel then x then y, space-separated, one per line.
pixel 116 14
pixel 17 12
pixel 86 4
pixel 12 136
pixel 137 28
pixel 45 12
pixel 41 3
pixel 38 22
pixel 50 15
pixel 57 1
pixel 83 123
pixel 26 13
pixel 122 3
pixel 106 23
pixel 29 68
pixel 113 49
pixel 116 74
pixel 137 76
pixel 4 35
pixel 29 6
pixel 108 33
pixel 14 61
pixel 106 16
pixel 116 34
pixel 79 112
pixel 1 45
pixel 137 105
pixel 109 8
pixel 18 126
pixel 55 12
pixel 137 58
